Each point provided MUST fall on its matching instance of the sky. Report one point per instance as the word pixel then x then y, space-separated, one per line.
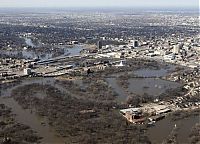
pixel 99 3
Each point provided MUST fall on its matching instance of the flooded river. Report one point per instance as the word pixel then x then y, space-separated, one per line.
pixel 43 55
pixel 162 129
pixel 29 118
pixel 151 86
pixel 141 86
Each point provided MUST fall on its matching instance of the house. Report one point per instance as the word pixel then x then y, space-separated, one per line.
pixel 133 115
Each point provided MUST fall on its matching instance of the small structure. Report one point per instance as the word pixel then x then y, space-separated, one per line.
pixel 132 110
pixel 133 115
pixel 27 71
pixel 121 64
pixel 162 111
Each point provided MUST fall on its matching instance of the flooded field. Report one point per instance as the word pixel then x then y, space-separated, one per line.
pixel 141 86
pixel 122 96
pixel 150 86
pixel 74 50
pixel 146 85
pixel 154 72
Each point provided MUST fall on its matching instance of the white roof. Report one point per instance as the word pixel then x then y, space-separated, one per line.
pixel 133 110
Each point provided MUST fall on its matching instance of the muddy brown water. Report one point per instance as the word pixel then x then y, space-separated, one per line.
pixel 141 86
pixel 154 86
pixel 152 72
pixel 156 134
pixel 29 118
pixel 122 96
pixel 162 129
pixel 150 86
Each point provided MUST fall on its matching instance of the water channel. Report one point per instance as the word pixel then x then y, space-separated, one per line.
pixel 29 118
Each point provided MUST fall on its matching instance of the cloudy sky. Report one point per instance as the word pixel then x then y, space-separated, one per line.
pixel 99 3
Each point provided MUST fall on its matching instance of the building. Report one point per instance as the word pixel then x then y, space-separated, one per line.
pixel 131 110
pixel 135 43
pixel 99 44
pixel 176 48
pixel 120 63
pixel 162 111
pixel 133 115
pixel 27 71
pixel 169 57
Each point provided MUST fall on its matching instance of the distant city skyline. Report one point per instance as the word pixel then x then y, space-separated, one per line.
pixel 100 3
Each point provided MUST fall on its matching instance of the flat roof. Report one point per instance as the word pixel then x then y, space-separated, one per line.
pixel 133 110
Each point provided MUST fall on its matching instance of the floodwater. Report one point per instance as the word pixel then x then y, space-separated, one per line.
pixel 162 129
pixel 154 72
pixel 29 118
pixel 141 86
pixel 50 81
pixel 74 50
pixel 33 53
pixel 122 96
pixel 150 86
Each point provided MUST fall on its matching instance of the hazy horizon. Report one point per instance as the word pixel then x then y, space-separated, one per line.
pixel 99 3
